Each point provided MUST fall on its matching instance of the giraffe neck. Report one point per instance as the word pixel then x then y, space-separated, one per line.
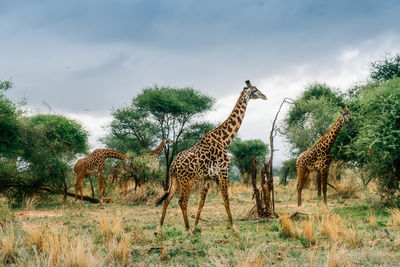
pixel 157 152
pixel 227 130
pixel 109 153
pixel 329 138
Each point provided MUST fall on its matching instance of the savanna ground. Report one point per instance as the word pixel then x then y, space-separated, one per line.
pixel 353 230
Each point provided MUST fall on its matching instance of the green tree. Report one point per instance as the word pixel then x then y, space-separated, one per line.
pixel 311 116
pixel 386 69
pixel 47 146
pixel 242 151
pixel 160 112
pixel 377 144
pixel 8 123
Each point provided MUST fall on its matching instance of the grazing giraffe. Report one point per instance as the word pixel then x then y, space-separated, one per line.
pixel 318 158
pixel 95 164
pixel 119 173
pixel 207 160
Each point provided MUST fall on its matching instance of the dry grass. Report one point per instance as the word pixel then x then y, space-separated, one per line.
pixel 80 253
pixel 288 227
pixel 331 225
pixel 307 228
pixel 111 227
pixel 54 243
pixel 334 257
pixel 119 250
pixel 34 236
pixel 145 194
pixel 395 216
pixel 372 220
pixel 7 247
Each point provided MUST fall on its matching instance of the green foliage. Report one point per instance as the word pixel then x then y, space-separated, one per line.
pixel 156 113
pixel 242 151
pixel 386 69
pixel 8 123
pixel 377 144
pixel 288 170
pixel 46 146
pixel 131 130
pixel 311 116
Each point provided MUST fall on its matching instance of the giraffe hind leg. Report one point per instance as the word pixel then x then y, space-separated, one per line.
pixel 172 191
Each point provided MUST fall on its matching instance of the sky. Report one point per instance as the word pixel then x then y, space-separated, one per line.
pixel 84 58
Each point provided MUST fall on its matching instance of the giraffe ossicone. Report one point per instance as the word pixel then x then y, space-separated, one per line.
pixel 208 160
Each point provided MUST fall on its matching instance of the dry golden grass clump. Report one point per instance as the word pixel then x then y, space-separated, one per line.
pixel 119 250
pixel 307 228
pixel 146 193
pixel 7 247
pixel 288 227
pixel 395 216
pixel 80 253
pixel 335 256
pixel 334 227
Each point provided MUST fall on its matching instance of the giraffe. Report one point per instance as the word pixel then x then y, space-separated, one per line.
pixel 120 173
pixel 318 158
pixel 95 164
pixel 207 160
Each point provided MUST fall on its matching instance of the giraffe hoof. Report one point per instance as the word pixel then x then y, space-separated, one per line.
pixel 235 230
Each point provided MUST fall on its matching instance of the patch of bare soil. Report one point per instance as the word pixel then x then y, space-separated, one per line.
pixel 39 213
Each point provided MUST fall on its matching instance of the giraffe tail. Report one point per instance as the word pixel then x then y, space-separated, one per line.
pixel 161 199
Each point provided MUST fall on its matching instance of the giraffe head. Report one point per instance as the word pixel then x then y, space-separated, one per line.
pixel 346 114
pixel 167 141
pixel 251 92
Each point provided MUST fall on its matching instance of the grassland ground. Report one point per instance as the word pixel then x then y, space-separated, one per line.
pixel 351 231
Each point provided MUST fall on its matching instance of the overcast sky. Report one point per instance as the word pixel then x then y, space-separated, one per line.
pixel 82 58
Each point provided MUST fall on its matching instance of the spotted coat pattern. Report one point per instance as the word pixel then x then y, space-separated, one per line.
pixel 207 160
pixel 318 158
pixel 94 163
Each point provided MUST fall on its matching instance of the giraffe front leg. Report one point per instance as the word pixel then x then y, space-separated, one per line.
pixel 183 201
pixel 100 186
pixel 203 195
pixel 223 184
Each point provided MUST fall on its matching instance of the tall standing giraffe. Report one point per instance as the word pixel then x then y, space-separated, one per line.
pixel 208 159
pixel 94 163
pixel 319 157
pixel 122 173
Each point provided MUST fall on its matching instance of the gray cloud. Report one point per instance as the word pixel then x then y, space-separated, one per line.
pixel 86 57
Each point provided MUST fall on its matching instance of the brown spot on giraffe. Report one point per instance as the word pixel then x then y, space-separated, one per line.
pixel 95 164
pixel 318 158
pixel 207 160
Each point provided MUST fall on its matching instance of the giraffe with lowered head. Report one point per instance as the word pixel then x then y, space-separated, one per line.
pixel 120 173
pixel 318 158
pixel 208 160
pixel 94 163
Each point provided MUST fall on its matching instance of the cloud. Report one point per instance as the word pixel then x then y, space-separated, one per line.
pixel 85 57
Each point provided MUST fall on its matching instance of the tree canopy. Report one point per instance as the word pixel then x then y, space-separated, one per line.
pixel 242 151
pixel 157 113
pixel 311 115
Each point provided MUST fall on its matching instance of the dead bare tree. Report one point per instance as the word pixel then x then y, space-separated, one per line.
pixel 265 201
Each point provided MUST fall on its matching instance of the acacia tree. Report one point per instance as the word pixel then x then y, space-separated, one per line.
pixel 376 147
pixel 242 153
pixel 386 69
pixel 47 144
pixel 160 112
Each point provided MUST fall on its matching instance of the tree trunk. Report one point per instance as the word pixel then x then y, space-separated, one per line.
pixel 254 168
